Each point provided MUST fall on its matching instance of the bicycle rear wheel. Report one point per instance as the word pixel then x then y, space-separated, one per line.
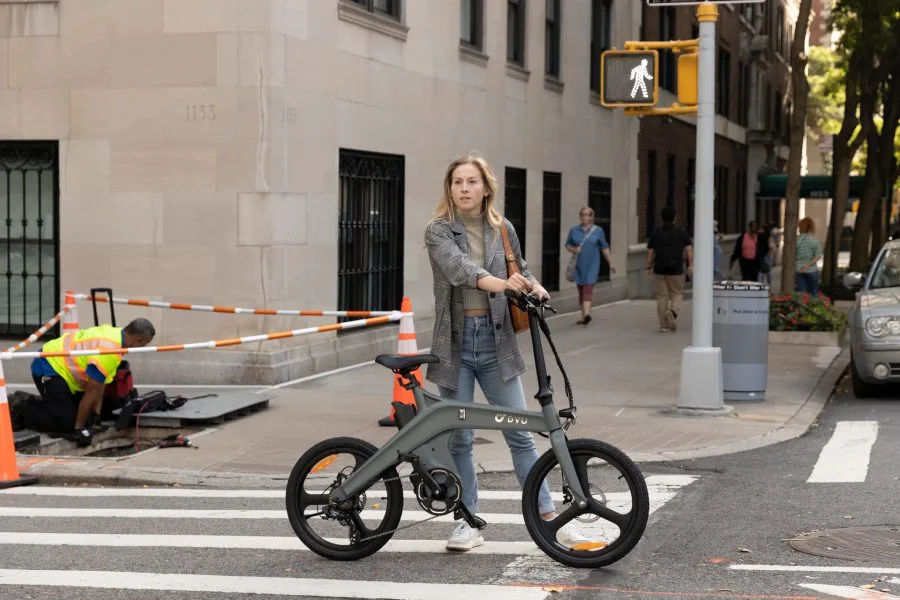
pixel 345 531
pixel 612 523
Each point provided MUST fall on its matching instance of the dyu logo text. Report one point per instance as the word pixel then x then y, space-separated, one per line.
pixel 510 419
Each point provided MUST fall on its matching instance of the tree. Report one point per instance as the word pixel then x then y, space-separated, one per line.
pixel 833 105
pixel 800 99
pixel 871 45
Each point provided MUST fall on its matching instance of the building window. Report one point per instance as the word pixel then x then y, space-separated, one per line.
pixel 776 111
pixel 695 31
pixel 743 94
pixel 551 225
pixel 601 38
pixel 741 195
pixel 552 39
pixel 471 17
pixel 650 219
pixel 370 230
pixel 600 200
pixel 667 60
pixel 723 84
pixel 29 236
pixel 514 192
pixel 670 180
pixel 515 32
pixel 389 8
pixel 779 30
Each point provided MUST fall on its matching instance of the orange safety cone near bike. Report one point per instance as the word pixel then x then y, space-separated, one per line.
pixel 9 472
pixel 406 344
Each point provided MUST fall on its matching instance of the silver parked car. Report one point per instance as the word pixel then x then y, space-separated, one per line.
pixel 874 323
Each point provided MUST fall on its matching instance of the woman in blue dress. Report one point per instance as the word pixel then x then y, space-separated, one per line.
pixel 587 241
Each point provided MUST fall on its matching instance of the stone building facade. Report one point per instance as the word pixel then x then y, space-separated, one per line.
pixel 288 154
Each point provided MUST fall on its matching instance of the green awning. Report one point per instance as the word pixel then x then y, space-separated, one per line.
pixel 811 186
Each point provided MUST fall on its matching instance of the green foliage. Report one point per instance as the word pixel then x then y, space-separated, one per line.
pixel 803 312
pixel 826 74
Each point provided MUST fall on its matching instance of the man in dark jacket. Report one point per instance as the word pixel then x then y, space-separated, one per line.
pixel 667 249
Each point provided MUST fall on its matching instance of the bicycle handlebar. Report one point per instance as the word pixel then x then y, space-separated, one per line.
pixel 528 301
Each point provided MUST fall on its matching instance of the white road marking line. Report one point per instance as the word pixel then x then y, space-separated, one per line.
pixel 109 540
pixel 845 458
pixel 812 569
pixel 655 483
pixel 847 591
pixel 275 586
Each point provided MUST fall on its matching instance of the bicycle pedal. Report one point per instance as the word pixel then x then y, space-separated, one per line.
pixel 463 513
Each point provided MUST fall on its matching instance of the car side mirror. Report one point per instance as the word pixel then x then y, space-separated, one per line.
pixel 854 281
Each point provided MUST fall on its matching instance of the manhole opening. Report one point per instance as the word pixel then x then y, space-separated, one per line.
pixel 111 443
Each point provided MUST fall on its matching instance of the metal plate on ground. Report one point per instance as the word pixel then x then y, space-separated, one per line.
pixel 213 410
pixel 877 543
pixel 26 438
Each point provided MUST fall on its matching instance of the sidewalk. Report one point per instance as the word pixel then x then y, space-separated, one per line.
pixel 624 374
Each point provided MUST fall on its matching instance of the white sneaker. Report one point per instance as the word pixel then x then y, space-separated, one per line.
pixel 464 538
pixel 570 537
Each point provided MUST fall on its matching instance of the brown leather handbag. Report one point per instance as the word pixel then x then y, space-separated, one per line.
pixel 518 316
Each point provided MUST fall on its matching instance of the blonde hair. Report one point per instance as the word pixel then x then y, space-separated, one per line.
pixel 447 211
pixel 807 225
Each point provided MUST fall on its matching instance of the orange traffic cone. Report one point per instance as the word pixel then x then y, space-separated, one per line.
pixel 70 319
pixel 406 344
pixel 9 472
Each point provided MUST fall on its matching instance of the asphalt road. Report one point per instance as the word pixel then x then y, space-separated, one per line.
pixel 718 536
pixel 718 530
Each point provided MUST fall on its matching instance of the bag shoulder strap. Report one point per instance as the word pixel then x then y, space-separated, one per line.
pixel 507 247
pixel 588 234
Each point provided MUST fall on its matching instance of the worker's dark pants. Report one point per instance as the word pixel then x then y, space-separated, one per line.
pixel 56 411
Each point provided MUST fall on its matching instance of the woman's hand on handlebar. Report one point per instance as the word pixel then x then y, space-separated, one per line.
pixel 518 283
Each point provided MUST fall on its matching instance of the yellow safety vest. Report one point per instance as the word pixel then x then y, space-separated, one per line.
pixel 73 368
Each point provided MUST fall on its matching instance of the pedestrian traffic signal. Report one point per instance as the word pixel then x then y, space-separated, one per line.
pixel 629 78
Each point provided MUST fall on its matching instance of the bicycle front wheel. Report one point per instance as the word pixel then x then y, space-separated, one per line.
pixel 612 523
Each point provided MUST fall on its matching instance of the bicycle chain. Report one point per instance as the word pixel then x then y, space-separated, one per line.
pixel 393 531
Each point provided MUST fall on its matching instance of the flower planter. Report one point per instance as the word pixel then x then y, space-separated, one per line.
pixel 808 338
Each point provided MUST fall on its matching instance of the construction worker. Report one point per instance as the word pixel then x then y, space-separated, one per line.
pixel 71 387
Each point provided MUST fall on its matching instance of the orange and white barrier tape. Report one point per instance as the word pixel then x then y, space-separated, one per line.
pixel 394 316
pixel 44 329
pixel 240 311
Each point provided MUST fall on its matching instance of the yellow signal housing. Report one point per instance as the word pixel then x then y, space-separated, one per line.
pixel 687 79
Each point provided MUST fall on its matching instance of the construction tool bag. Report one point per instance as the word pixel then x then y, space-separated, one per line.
pixel 152 401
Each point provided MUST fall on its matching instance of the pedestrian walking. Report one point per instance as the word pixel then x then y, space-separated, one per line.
pixel 473 334
pixel 587 242
pixel 809 252
pixel 668 248
pixel 748 252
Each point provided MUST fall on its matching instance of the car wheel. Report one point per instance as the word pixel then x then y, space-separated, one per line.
pixel 861 389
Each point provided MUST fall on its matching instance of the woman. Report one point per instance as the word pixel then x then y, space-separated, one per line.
pixel 473 335
pixel 748 253
pixel 587 242
pixel 809 251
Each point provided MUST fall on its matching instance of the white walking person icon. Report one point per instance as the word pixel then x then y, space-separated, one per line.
pixel 638 75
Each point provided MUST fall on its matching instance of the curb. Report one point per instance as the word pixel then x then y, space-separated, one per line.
pixel 51 472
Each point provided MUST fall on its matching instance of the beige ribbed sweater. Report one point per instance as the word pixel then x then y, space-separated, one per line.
pixel 473 298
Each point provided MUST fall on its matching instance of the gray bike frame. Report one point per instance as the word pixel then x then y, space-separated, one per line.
pixel 427 436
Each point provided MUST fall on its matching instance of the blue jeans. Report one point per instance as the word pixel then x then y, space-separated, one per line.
pixel 479 361
pixel 808 282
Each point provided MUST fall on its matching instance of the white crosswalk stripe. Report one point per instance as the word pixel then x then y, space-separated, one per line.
pixel 45 522
pixel 845 458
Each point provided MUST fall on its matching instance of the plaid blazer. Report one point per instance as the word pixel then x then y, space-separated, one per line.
pixel 451 270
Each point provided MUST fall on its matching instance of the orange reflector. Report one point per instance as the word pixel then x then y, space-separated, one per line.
pixel 322 464
pixel 590 546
